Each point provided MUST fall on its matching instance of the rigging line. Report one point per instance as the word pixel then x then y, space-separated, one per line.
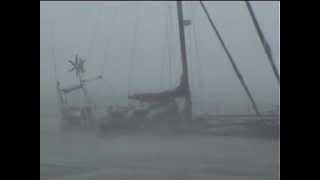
pixel 108 40
pixel 107 47
pixel 162 72
pixel 170 40
pixel 189 46
pixel 263 41
pixel 169 44
pixel 53 52
pixel 94 33
pixel 192 54
pixel 191 36
pixel 176 63
pixel 196 50
pixel 167 48
pixel 174 56
pixel 133 49
pixel 240 77
pixel 162 68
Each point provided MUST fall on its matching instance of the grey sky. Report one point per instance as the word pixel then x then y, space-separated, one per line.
pixel 103 31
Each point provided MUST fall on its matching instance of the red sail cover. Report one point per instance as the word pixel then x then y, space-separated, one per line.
pixel 163 96
pixel 73 88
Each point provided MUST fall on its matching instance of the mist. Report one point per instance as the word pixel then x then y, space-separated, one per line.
pixel 103 34
pixel 135 46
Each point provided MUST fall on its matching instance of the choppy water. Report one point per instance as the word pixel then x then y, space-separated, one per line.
pixel 87 157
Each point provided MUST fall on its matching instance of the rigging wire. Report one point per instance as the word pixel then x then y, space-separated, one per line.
pixel 190 50
pixel 169 43
pixel 167 47
pixel 90 48
pixel 263 41
pixel 196 53
pixel 53 52
pixel 162 72
pixel 171 47
pixel 55 69
pixel 108 40
pixel 94 33
pixel 189 46
pixel 174 65
pixel 133 50
pixel 107 46
pixel 240 77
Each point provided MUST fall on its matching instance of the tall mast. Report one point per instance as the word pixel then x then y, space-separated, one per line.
pixel 263 41
pixel 185 77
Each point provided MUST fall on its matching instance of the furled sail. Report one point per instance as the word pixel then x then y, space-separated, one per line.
pixel 70 89
pixel 164 96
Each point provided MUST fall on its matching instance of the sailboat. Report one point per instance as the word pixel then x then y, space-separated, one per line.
pixel 82 115
pixel 171 109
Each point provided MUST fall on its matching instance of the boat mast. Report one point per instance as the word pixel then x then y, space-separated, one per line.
pixel 263 41
pixel 185 77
